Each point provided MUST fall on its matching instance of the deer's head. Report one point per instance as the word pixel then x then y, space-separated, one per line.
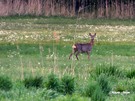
pixel 92 36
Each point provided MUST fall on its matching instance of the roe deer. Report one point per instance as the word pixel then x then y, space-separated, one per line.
pixel 83 47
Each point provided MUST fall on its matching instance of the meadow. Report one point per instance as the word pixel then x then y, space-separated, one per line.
pixel 39 46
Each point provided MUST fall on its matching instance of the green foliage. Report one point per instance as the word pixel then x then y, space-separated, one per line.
pixel 31 32
pixel 50 94
pixel 103 83
pixel 5 83
pixel 108 70
pixel 98 95
pixel 53 82
pixel 33 82
pixel 131 73
pixel 67 84
pixel 73 97
pixel 98 89
pixel 120 88
pixel 90 88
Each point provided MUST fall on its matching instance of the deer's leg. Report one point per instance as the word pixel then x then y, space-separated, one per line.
pixel 71 55
pixel 73 52
pixel 88 55
pixel 77 55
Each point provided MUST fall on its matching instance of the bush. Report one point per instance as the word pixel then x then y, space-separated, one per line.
pixel 98 95
pixel 33 82
pixel 67 84
pixel 103 83
pixel 53 82
pixel 5 83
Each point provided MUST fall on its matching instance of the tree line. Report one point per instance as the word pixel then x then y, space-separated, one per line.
pixel 83 8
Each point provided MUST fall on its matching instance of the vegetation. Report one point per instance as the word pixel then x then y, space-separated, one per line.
pixel 34 54
pixel 5 83
pixel 53 82
pixel 98 95
pixel 84 8
pixel 33 82
pixel 67 84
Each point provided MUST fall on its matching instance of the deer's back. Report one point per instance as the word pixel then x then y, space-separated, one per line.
pixel 83 47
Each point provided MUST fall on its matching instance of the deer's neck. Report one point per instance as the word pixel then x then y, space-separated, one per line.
pixel 92 42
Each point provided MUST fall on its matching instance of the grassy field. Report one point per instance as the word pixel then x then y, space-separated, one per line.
pixel 39 46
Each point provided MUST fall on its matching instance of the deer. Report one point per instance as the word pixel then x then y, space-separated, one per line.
pixel 83 47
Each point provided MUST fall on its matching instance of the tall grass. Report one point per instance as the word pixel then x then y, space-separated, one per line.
pixel 108 70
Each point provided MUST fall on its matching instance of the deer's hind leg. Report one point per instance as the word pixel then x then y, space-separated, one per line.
pixel 73 52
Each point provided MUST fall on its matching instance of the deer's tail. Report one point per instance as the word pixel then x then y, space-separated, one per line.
pixel 73 46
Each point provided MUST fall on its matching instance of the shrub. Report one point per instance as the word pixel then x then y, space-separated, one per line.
pixel 90 88
pixel 103 83
pixel 98 95
pixel 33 82
pixel 131 74
pixel 67 84
pixel 53 82
pixel 5 83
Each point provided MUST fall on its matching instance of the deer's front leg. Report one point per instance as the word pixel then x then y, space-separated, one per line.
pixel 77 55
pixel 73 52
pixel 71 55
pixel 88 55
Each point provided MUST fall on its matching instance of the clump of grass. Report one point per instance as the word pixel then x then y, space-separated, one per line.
pixel 95 87
pixel 108 70
pixel 90 88
pixel 33 82
pixel 104 84
pixel 131 73
pixel 53 82
pixel 50 94
pixel 5 83
pixel 67 84
pixel 120 88
pixel 98 95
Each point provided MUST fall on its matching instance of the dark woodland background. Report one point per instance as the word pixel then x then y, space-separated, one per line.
pixel 85 8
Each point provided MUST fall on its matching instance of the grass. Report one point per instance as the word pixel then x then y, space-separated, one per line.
pixel 28 48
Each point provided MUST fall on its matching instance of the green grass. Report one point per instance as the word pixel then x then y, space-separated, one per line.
pixel 28 49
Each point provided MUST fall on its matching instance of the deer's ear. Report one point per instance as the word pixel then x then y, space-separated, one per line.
pixel 95 34
pixel 90 34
